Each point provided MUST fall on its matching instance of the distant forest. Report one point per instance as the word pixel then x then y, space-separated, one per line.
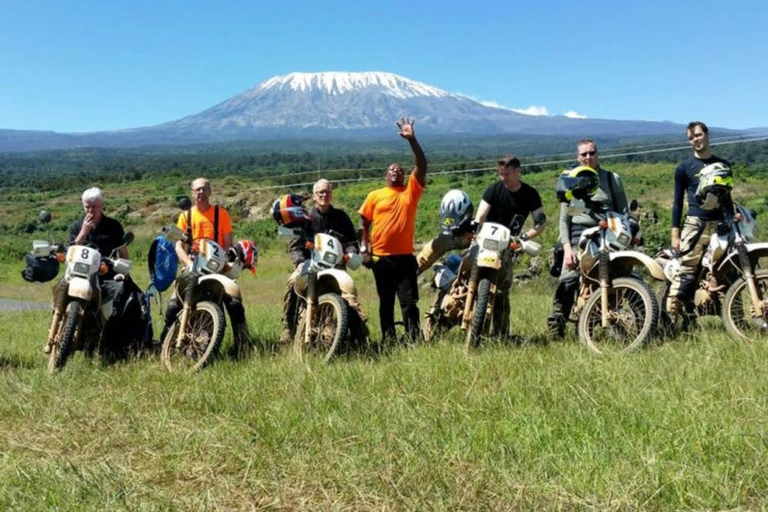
pixel 277 162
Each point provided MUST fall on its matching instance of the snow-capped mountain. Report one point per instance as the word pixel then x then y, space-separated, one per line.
pixel 337 104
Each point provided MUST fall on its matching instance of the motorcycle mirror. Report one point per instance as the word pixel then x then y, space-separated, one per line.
pixel 128 238
pixel 44 216
pixel 633 205
pixel 185 203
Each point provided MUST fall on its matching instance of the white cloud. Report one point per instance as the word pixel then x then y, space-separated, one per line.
pixel 533 110
pixel 574 115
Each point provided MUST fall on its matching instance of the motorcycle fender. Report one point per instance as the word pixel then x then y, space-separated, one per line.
pixel 230 287
pixel 334 279
pixel 756 251
pixel 489 259
pixel 80 288
pixel 636 258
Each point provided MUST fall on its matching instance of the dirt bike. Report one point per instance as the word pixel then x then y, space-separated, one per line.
pixel 467 287
pixel 730 285
pixel 80 316
pixel 326 322
pixel 194 338
pixel 617 310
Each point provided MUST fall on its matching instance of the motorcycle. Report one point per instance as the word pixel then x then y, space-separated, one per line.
pixel 326 322
pixel 730 284
pixel 467 286
pixel 80 318
pixel 194 338
pixel 616 309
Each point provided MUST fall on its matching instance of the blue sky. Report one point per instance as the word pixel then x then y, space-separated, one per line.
pixel 98 65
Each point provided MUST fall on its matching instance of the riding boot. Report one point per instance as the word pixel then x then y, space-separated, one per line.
pixel 242 345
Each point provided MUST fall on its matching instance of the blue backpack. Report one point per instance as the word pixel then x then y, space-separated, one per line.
pixel 163 263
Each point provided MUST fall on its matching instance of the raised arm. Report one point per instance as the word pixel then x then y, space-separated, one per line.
pixel 405 125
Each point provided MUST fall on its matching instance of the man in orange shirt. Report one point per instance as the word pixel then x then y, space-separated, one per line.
pixel 388 220
pixel 204 221
pixel 211 222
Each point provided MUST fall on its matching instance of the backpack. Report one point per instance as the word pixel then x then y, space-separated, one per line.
pixel 163 263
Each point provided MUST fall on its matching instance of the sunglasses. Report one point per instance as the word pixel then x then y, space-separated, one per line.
pixel 590 153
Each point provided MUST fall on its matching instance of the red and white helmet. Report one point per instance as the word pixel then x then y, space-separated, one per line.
pixel 248 254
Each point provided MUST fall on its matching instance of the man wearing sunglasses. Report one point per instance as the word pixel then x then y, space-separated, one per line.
pixel 611 194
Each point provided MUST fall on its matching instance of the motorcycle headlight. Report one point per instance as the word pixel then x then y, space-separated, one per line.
pixel 81 268
pixel 329 258
pixel 491 245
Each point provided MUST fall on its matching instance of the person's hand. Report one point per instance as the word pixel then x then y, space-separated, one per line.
pixel 675 243
pixel 405 125
pixel 89 222
pixel 570 260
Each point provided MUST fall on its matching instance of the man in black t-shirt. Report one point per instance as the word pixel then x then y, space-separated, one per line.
pixel 699 223
pixel 96 228
pixel 106 234
pixel 501 203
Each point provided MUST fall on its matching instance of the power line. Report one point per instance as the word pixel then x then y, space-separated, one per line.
pixel 533 164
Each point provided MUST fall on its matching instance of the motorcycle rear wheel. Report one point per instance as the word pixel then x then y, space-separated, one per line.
pixel 329 331
pixel 633 315
pixel 205 333
pixel 739 316
pixel 64 342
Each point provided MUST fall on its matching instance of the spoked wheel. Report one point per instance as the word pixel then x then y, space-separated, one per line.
pixel 330 328
pixel 481 316
pixel 739 315
pixel 632 316
pixel 64 341
pixel 201 341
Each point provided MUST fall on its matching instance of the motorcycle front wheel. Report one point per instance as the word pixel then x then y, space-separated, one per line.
pixel 739 316
pixel 64 342
pixel 329 329
pixel 632 316
pixel 203 338
pixel 481 315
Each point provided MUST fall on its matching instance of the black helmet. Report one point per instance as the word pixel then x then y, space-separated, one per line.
pixel 578 183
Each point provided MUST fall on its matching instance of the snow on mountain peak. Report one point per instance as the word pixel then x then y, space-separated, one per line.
pixel 335 83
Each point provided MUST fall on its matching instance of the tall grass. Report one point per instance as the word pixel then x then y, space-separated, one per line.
pixel 531 426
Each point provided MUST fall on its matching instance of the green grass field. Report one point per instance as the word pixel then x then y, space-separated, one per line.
pixel 678 425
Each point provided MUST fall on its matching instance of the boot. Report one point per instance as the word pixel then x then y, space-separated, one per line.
pixel 242 345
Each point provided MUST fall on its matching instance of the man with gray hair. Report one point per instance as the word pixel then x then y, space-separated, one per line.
pixel 105 234
pixel 96 228
pixel 325 219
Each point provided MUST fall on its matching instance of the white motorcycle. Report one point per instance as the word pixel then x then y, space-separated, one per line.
pixel 195 336
pixel 617 310
pixel 493 245
pixel 729 282
pixel 326 322
pixel 79 315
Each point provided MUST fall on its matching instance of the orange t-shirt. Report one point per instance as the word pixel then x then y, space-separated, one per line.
pixel 202 224
pixel 392 212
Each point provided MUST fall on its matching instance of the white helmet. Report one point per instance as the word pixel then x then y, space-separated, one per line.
pixel 455 211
